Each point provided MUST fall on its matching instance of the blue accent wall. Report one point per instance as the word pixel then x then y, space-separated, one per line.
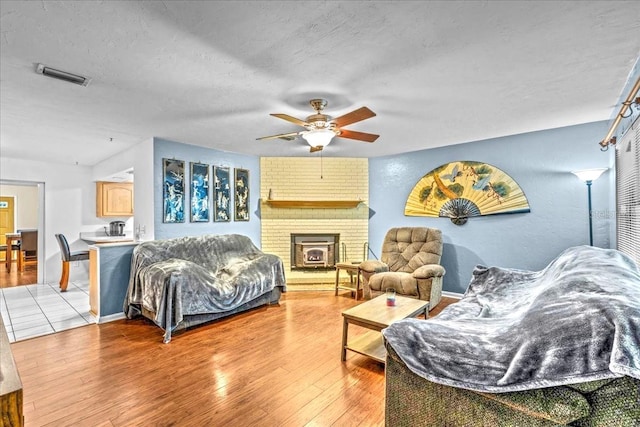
pixel 192 153
pixel 115 269
pixel 540 162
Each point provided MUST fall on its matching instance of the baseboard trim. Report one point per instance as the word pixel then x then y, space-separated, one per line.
pixel 455 295
pixel 110 318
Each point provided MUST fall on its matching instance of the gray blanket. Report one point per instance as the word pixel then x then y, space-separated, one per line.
pixel 576 320
pixel 196 275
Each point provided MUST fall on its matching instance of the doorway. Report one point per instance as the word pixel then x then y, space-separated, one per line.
pixel 7 220
pixel 34 307
pixel 22 207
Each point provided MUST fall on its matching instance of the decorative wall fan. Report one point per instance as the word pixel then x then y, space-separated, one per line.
pixel 459 190
pixel 321 128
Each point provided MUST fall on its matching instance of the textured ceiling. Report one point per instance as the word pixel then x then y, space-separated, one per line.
pixel 209 73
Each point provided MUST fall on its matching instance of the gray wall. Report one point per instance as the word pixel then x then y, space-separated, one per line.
pixel 540 162
pixel 191 153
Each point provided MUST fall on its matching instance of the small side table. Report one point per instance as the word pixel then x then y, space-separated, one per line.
pixel 353 268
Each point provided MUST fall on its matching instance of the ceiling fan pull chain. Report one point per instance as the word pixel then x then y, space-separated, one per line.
pixel 321 165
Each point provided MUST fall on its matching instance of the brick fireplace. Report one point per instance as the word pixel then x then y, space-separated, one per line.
pixel 302 179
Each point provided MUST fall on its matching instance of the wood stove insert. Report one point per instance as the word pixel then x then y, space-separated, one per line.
pixel 314 251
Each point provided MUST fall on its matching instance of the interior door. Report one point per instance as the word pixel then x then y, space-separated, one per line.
pixel 7 220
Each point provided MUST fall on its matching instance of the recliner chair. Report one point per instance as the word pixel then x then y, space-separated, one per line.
pixel 67 257
pixel 409 263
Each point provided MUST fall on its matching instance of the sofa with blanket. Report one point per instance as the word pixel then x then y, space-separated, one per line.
pixel 186 281
pixel 559 346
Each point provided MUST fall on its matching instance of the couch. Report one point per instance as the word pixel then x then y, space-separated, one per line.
pixel 409 264
pixel 186 281
pixel 559 346
pixel 414 401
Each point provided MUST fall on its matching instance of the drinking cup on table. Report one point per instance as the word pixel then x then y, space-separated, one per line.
pixel 391 297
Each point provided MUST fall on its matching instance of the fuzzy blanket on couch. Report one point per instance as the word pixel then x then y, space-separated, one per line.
pixel 577 320
pixel 197 275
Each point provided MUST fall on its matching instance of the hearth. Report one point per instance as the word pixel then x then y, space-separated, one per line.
pixel 312 251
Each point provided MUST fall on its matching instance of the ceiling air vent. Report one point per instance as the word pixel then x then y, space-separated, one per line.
pixel 62 75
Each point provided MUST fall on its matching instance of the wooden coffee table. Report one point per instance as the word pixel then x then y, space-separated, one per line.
pixel 376 315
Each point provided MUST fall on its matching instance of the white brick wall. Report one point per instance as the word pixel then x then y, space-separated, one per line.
pixel 297 178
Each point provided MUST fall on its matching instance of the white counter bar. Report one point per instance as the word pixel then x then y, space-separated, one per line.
pixel 98 245
pixel 93 237
pixel 109 269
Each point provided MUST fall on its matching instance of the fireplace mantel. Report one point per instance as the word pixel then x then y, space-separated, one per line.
pixel 313 204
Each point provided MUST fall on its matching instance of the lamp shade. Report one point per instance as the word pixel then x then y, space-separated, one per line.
pixel 318 137
pixel 589 174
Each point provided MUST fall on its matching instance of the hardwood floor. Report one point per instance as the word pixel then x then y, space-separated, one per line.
pixel 16 278
pixel 272 366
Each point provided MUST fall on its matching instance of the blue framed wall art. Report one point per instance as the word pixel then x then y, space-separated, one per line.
pixel 241 196
pixel 199 194
pixel 173 190
pixel 221 194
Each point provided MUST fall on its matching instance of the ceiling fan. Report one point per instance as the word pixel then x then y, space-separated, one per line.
pixel 321 128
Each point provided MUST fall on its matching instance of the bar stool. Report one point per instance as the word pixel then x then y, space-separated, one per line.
pixel 67 257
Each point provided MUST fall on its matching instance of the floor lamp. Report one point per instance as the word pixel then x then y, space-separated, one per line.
pixel 588 176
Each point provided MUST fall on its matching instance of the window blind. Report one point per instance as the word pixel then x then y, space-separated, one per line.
pixel 628 193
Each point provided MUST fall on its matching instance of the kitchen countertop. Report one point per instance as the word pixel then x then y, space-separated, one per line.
pixel 100 238
pixel 98 245
pixel 113 239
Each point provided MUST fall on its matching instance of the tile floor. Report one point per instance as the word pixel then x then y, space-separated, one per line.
pixel 33 310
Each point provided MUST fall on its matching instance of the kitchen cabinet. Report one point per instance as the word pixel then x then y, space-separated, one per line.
pixel 114 199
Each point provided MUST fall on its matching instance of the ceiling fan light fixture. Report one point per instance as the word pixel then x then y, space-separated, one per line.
pixel 318 137
pixel 321 128
pixel 62 75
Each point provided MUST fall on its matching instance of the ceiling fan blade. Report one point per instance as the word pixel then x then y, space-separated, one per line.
pixel 291 119
pixel 316 148
pixel 354 116
pixel 286 136
pixel 360 136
